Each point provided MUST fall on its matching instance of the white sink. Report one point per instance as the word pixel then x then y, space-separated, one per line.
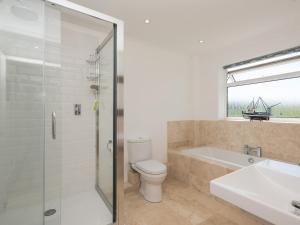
pixel 265 189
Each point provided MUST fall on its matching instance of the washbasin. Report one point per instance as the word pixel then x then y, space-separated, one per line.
pixel 266 189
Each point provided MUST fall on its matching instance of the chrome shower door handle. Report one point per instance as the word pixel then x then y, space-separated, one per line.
pixel 53 125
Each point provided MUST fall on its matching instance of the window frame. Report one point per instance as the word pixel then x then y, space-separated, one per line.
pixel 258 62
pixel 278 77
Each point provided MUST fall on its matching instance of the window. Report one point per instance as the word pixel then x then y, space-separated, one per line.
pixel 275 78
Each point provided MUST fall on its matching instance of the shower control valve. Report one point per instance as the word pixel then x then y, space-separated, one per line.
pixel 77 109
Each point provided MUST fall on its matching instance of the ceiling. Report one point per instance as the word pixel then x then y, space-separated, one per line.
pixel 180 24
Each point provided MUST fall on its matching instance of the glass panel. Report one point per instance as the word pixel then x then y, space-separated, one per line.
pixel 71 84
pixel 21 112
pixel 273 69
pixel 105 155
pixel 285 92
pixel 53 115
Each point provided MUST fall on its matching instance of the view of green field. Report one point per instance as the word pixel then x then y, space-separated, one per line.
pixel 281 111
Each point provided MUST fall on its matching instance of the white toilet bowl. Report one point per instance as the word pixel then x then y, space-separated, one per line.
pixel 152 174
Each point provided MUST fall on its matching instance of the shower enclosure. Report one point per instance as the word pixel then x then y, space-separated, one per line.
pixel 101 78
pixel 61 143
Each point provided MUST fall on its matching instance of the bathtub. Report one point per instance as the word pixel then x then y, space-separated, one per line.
pixel 234 160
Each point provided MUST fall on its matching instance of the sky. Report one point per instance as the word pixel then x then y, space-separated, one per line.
pixel 285 91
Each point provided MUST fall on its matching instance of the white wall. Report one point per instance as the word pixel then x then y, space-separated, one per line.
pixel 209 99
pixel 157 90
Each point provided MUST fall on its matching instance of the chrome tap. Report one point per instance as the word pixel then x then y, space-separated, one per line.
pixel 254 151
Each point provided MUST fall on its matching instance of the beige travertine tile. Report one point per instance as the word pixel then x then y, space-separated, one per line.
pixel 178 167
pixel 180 133
pixel 133 181
pixel 133 177
pixel 186 196
pixel 200 173
pixel 184 205
pixel 279 141
pixel 218 220
pixel 195 172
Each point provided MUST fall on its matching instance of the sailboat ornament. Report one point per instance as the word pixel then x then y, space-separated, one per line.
pixel 252 112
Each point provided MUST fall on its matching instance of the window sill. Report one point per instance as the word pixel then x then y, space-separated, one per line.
pixel 272 120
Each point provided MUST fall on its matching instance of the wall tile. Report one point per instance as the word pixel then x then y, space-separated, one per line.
pixel 180 133
pixel 279 141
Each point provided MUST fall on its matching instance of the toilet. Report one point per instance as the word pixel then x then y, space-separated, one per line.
pixel 152 172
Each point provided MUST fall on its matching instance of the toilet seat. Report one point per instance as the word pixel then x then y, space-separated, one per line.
pixel 152 174
pixel 153 167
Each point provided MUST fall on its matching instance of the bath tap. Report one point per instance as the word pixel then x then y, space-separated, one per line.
pixel 255 151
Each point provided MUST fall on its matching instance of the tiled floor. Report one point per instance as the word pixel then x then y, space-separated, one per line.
pixel 183 205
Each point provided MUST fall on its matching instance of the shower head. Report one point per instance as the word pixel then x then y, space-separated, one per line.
pixel 21 11
pixel 94 87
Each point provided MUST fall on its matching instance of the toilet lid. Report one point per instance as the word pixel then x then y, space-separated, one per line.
pixel 151 166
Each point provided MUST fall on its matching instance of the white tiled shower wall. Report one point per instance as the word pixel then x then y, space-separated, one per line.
pixel 78 132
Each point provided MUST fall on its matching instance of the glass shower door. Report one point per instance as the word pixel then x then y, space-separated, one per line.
pixel 105 117
pixel 29 104
pixel 34 75
pixel 53 116
pixel 21 112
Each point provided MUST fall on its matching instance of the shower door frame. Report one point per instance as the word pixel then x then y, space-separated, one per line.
pixel 118 126
pixel 110 36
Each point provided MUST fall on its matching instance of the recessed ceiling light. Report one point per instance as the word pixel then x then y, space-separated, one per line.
pixel 201 41
pixel 147 21
pixel 36 47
